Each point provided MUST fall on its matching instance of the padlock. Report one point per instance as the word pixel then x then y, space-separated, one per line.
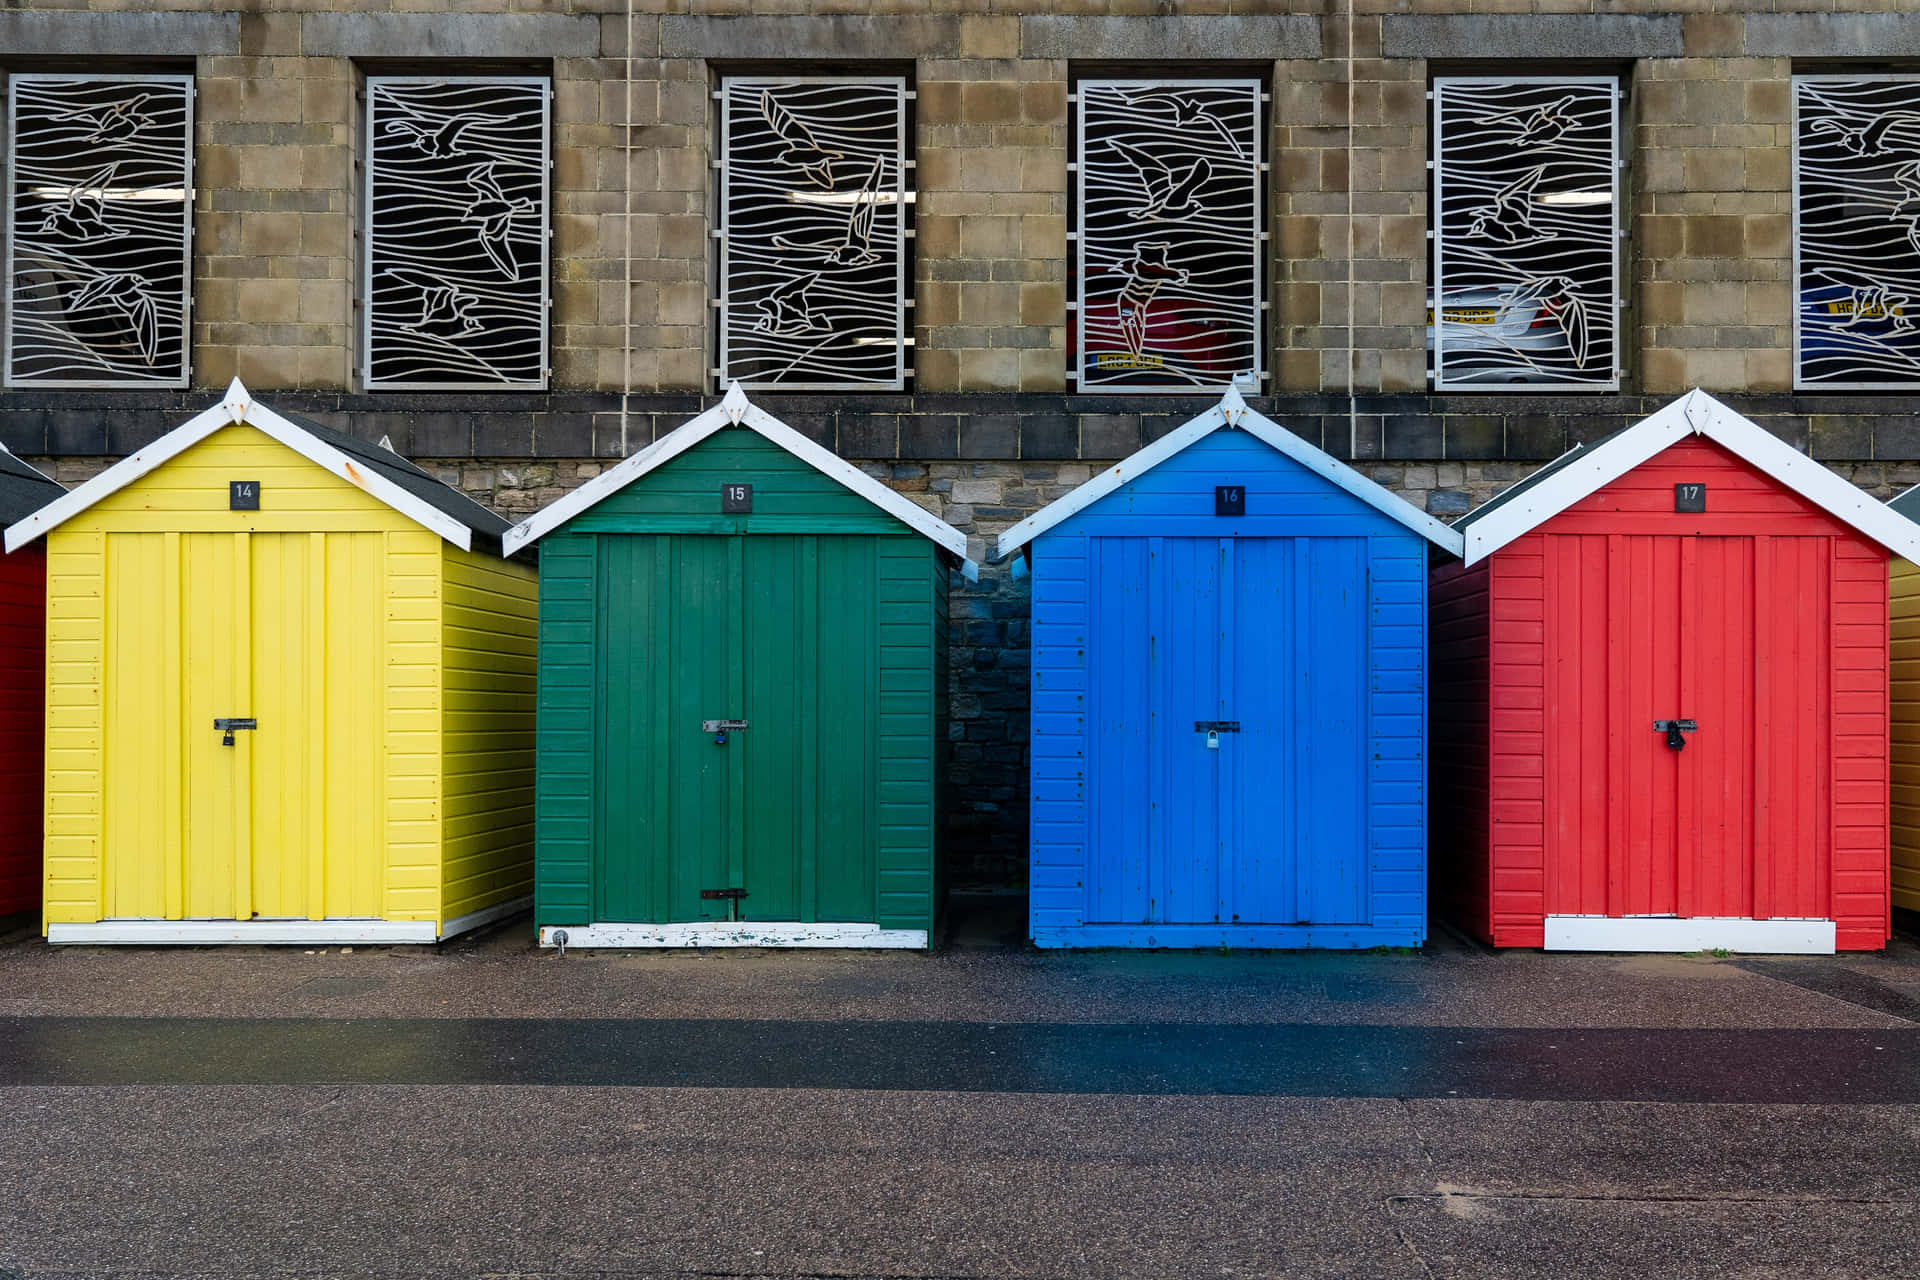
pixel 1213 739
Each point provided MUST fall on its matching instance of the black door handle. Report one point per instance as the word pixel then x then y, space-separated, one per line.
pixel 1673 729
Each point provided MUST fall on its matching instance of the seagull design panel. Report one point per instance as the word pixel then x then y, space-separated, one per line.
pixel 100 177
pixel 813 246
pixel 1169 236
pixel 457 263
pixel 1526 250
pixel 1857 232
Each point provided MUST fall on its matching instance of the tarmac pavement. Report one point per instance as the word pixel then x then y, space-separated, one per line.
pixel 455 1112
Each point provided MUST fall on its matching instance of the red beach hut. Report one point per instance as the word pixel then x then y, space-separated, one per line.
pixel 23 688
pixel 1660 707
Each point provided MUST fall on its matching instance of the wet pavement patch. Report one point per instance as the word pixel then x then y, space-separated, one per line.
pixel 1840 983
pixel 1287 1060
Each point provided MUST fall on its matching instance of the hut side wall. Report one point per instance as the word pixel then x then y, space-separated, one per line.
pixel 489 642
pixel 1284 500
pixel 23 697
pixel 1841 730
pixel 566 734
pixel 1905 725
pixel 359 586
pixel 1460 649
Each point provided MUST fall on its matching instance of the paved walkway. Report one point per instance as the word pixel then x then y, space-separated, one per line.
pixel 488 1109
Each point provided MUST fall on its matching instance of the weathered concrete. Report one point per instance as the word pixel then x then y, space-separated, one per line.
pixel 1833 35
pixel 1531 36
pixel 465 35
pixel 119 35
pixel 1260 38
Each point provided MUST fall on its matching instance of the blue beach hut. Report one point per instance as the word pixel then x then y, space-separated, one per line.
pixel 1229 698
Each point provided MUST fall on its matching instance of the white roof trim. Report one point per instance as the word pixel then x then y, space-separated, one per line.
pixel 237 406
pixel 1695 413
pixel 736 410
pixel 1232 411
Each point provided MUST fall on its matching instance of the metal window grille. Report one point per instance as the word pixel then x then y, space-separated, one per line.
pixel 456 243
pixel 1856 224
pixel 100 199
pixel 1168 247
pixel 1526 249
pixel 813 263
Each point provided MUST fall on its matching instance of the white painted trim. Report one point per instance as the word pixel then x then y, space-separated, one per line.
pixel 721 933
pixel 1232 411
pixel 1690 933
pixel 1695 413
pixel 735 410
pixel 485 915
pixel 243 932
pixel 237 407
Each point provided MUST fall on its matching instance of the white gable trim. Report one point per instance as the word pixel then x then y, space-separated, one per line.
pixel 1232 411
pixel 736 410
pixel 1696 413
pixel 237 407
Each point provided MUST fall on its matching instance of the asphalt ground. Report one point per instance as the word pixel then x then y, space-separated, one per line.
pixel 487 1109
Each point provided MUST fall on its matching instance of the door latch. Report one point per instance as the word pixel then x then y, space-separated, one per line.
pixel 227 726
pixel 1213 729
pixel 721 728
pixel 1673 729
pixel 723 894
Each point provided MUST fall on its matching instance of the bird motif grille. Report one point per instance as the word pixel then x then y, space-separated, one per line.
pixel 1526 283
pixel 456 245
pixel 1169 236
pixel 813 197
pixel 100 184
pixel 1857 232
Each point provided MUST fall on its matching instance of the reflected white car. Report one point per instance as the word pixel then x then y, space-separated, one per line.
pixel 1506 334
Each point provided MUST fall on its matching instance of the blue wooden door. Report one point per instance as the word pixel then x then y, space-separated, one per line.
pixel 1268 826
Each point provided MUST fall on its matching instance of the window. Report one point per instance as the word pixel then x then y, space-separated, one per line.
pixel 1856 202
pixel 456 233
pixel 813 264
pixel 1526 262
pixel 1168 246
pixel 100 183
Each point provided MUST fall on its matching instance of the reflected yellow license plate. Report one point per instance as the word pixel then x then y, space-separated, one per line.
pixel 1470 315
pixel 1125 360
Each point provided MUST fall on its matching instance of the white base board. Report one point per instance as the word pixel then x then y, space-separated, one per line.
pixel 267 933
pixel 746 933
pixel 1690 933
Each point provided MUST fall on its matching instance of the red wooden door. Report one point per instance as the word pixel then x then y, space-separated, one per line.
pixel 1729 632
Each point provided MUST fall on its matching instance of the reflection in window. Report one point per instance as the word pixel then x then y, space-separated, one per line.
pixel 1169 237
pixel 1526 243
pixel 100 183
pixel 1857 232
pixel 813 265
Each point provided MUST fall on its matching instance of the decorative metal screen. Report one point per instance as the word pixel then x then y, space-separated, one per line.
pixel 813 265
pixel 1169 242
pixel 100 188
pixel 1526 274
pixel 456 233
pixel 1856 202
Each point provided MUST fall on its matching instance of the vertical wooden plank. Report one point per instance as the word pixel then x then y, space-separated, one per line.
pixel 1227 782
pixel 1688 846
pixel 1616 642
pixel 170 696
pixel 323 745
pixel 240 654
pixel 1766 608
pixel 812 816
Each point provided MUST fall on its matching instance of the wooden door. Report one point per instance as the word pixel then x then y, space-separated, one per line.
pixel 1730 633
pixel 276 628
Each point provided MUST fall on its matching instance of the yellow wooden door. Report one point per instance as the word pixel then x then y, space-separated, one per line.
pixel 279 628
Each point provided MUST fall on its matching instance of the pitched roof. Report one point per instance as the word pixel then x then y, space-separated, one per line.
pixel 377 472
pixel 1232 411
pixel 1586 469
pixel 734 410
pixel 23 489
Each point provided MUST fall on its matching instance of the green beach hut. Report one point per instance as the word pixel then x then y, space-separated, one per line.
pixel 742 697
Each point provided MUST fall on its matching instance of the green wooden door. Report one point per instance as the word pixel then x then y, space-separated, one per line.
pixel 777 630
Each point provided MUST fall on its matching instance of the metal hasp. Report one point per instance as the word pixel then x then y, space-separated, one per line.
pixel 1673 729
pixel 227 726
pixel 721 728
pixel 1216 726
pixel 725 894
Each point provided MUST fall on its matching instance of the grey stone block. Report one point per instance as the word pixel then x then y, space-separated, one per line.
pixel 119 35
pixel 437 35
pixel 836 36
pixel 1555 35
pixel 1833 35
pixel 1161 38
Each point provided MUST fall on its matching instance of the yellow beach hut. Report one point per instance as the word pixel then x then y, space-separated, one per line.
pixel 290 694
